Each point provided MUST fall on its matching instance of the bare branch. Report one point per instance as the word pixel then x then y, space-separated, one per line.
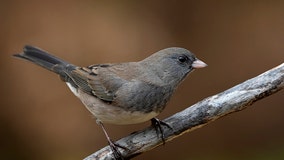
pixel 234 99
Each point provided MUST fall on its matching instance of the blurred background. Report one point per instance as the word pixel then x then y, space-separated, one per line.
pixel 41 119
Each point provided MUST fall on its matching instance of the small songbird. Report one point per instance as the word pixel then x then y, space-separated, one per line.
pixel 122 93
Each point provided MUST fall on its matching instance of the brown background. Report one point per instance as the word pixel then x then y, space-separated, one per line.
pixel 41 119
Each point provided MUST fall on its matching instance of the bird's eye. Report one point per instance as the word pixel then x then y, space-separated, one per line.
pixel 182 59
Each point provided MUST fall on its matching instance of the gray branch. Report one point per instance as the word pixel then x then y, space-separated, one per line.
pixel 234 99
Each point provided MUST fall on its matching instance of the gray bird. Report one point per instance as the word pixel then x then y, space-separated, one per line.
pixel 122 93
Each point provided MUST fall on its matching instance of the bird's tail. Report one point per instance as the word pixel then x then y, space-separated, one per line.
pixel 45 60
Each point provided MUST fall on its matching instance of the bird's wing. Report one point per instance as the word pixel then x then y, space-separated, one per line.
pixel 97 80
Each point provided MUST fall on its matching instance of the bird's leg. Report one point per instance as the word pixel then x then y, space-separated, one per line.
pixel 113 146
pixel 157 124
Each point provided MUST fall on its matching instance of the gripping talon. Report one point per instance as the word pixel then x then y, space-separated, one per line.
pixel 117 155
pixel 114 147
pixel 157 124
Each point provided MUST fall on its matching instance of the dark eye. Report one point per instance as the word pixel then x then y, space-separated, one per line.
pixel 182 59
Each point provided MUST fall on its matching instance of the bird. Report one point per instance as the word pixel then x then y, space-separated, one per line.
pixel 122 93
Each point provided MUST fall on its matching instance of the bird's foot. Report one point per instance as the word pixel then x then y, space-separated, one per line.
pixel 158 127
pixel 114 148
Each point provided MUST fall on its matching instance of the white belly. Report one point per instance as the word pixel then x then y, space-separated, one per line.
pixel 107 113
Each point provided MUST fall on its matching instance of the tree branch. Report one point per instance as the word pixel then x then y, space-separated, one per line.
pixel 234 99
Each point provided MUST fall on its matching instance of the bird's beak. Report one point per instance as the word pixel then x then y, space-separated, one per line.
pixel 198 64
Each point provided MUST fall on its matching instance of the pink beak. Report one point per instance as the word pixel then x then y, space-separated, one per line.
pixel 198 64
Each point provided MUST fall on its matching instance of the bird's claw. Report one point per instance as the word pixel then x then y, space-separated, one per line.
pixel 157 124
